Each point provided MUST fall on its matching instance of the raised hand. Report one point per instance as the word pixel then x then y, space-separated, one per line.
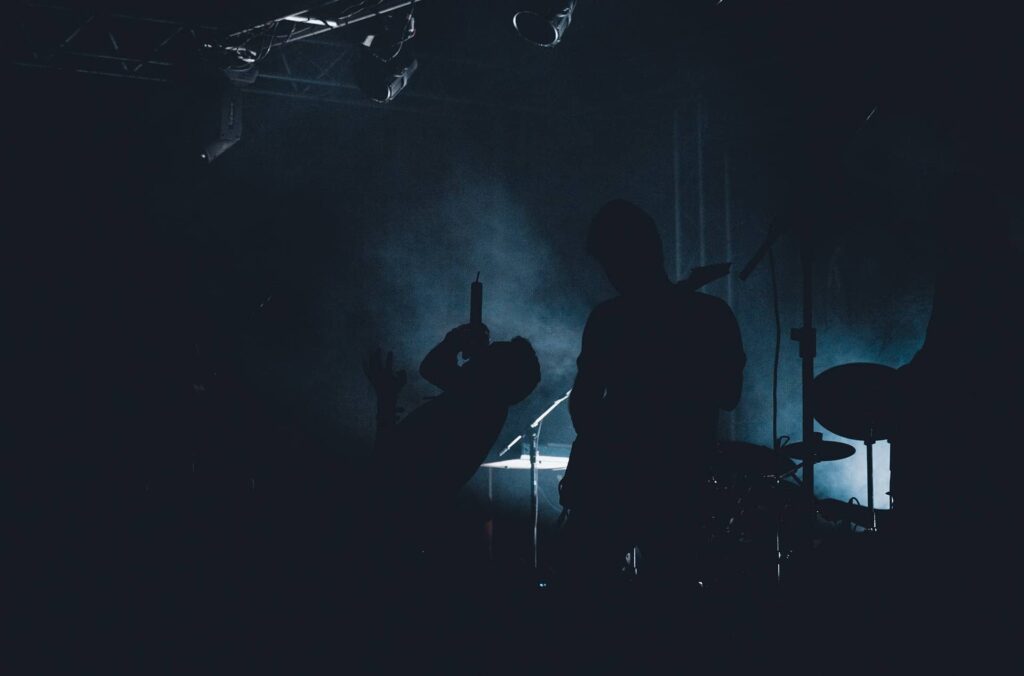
pixel 386 382
pixel 470 337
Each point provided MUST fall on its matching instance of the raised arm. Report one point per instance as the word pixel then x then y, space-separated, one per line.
pixel 441 365
pixel 387 383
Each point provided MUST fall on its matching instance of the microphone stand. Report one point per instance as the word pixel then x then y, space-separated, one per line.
pixel 534 449
pixel 535 424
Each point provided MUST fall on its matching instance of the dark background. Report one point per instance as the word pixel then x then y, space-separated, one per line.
pixel 134 271
pixel 364 224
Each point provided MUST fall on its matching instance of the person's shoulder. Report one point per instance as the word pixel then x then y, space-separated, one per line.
pixel 706 300
pixel 708 305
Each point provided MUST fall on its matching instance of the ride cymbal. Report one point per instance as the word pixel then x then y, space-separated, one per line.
pixel 818 451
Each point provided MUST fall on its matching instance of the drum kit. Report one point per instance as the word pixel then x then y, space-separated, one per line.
pixel 755 498
pixel 766 499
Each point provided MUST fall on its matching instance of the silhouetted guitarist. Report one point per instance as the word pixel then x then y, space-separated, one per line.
pixel 657 364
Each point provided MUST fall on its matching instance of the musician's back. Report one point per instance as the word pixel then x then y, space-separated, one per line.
pixel 656 365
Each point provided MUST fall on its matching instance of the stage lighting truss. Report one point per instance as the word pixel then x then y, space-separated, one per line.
pixel 56 36
pixel 385 64
pixel 290 57
pixel 324 18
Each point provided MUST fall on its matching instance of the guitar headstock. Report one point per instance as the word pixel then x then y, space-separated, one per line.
pixel 706 274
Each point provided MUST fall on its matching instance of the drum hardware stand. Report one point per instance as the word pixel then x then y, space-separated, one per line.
pixel 489 526
pixel 806 335
pixel 869 444
pixel 807 339
pixel 780 555
pixel 890 493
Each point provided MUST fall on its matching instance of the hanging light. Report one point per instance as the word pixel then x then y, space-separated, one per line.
pixel 386 62
pixel 382 81
pixel 221 121
pixel 545 28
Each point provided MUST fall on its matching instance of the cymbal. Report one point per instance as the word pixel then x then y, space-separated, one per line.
pixel 820 451
pixel 751 459
pixel 523 462
pixel 856 401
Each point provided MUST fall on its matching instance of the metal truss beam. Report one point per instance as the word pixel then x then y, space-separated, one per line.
pixel 327 16
pixel 303 63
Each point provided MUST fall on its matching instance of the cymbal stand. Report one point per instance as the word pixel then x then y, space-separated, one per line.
pixel 780 555
pixel 805 336
pixel 869 444
pixel 893 454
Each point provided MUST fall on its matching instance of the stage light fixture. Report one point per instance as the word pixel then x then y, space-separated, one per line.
pixel 386 62
pixel 216 78
pixel 545 28
pixel 220 116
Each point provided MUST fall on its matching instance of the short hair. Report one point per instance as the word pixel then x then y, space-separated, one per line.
pixel 512 369
pixel 621 229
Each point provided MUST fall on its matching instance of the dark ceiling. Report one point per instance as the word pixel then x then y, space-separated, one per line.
pixel 825 63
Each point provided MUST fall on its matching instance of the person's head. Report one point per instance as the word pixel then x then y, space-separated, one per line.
pixel 508 370
pixel 625 241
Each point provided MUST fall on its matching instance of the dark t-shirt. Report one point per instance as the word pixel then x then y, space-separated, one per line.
pixel 430 454
pixel 653 373
pixel 438 447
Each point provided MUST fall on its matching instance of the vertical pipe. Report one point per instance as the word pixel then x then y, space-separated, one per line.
pixel 727 190
pixel 869 445
pixel 702 246
pixel 727 197
pixel 808 347
pixel 489 526
pixel 534 494
pixel 676 192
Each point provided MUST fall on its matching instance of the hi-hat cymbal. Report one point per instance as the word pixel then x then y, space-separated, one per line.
pixel 856 401
pixel 838 510
pixel 523 462
pixel 818 451
pixel 754 460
